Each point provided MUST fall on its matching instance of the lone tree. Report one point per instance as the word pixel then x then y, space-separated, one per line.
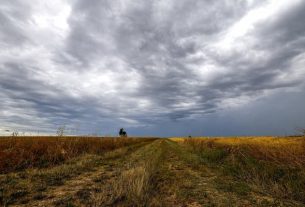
pixel 122 133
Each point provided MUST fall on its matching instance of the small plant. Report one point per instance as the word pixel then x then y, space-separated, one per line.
pixel 15 134
pixel 61 131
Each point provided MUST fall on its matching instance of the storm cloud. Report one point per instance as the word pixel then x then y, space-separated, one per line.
pixel 98 65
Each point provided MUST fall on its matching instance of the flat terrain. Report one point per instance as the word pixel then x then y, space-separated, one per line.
pixel 156 172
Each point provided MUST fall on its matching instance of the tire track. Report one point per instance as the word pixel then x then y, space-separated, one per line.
pixel 107 168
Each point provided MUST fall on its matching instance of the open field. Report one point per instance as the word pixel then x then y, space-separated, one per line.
pixel 75 171
pixel 18 153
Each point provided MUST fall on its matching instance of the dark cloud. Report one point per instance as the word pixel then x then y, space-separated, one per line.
pixel 107 63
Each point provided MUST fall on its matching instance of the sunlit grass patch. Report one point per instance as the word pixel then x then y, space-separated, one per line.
pixel 177 139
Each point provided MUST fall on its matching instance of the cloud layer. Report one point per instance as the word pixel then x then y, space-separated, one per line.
pixel 101 65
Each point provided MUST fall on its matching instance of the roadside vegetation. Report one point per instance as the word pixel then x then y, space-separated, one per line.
pixel 274 166
pixel 19 153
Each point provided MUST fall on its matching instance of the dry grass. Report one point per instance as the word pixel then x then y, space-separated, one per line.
pixel 177 139
pixel 18 153
pixel 134 184
pixel 37 184
pixel 275 165
pixel 283 151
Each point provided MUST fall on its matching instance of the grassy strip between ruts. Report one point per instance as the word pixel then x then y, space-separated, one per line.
pixel 134 184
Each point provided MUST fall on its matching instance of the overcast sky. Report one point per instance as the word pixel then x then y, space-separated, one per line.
pixel 154 67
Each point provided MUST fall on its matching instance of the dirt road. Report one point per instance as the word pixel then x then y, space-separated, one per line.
pixel 160 173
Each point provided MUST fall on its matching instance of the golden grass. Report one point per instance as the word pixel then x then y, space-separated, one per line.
pixel 177 139
pixel 290 151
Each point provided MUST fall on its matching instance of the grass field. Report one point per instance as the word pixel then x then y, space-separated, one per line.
pixel 94 171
